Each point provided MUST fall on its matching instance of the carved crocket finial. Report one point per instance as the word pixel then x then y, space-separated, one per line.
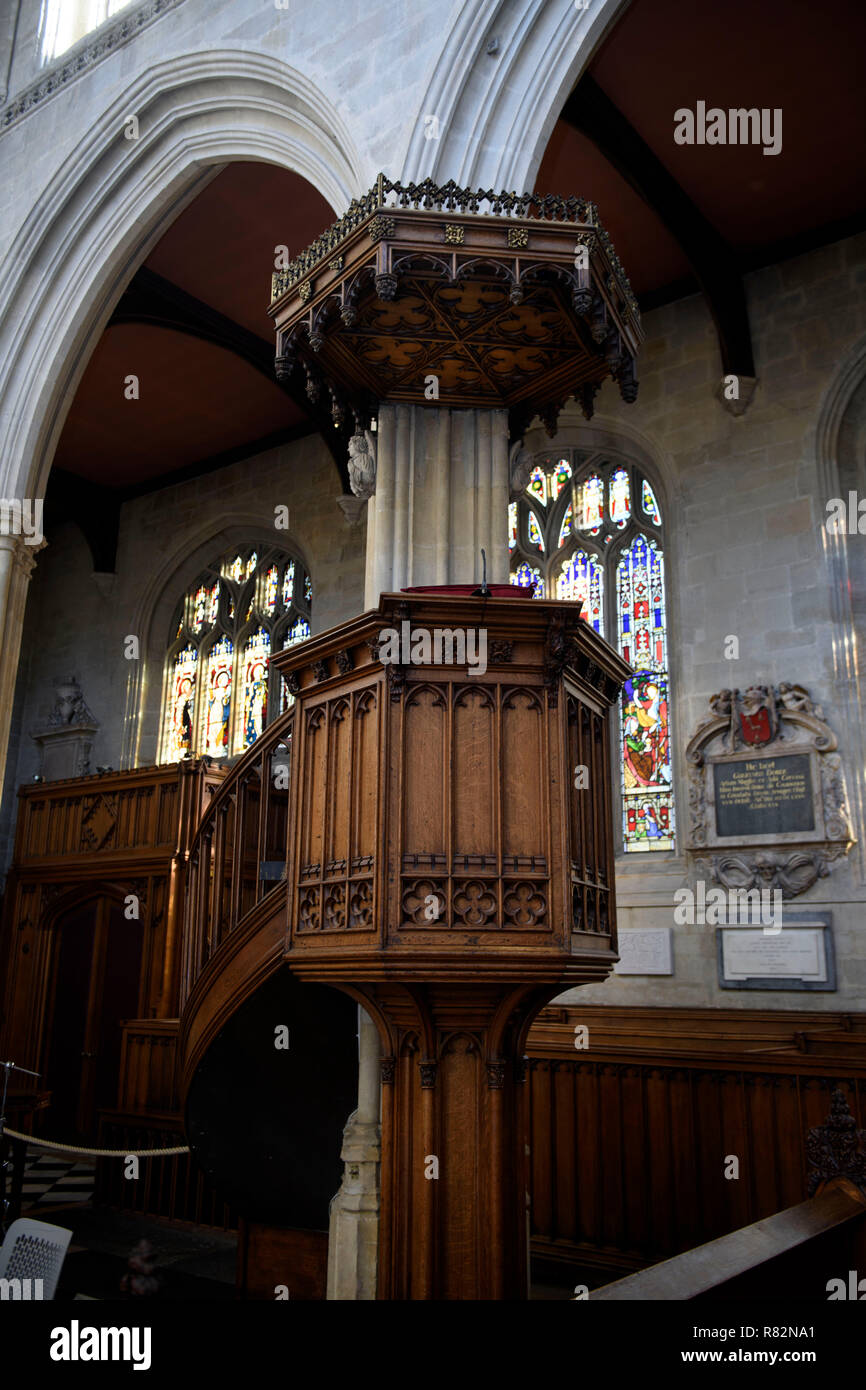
pixel 519 468
pixel 362 464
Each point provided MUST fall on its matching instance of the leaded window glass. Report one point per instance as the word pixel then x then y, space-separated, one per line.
pixel 589 529
pixel 220 689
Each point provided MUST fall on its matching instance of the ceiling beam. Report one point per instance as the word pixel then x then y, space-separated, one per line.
pixel 715 266
pixel 150 298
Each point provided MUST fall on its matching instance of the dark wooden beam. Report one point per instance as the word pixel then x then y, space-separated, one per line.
pixel 150 298
pixel 715 265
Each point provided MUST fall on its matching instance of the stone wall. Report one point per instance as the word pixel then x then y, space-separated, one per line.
pixel 748 556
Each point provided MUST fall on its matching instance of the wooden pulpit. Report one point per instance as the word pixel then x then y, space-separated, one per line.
pixel 451 868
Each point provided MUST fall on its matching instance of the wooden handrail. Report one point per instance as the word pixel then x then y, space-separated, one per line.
pixel 706 1267
pixel 239 843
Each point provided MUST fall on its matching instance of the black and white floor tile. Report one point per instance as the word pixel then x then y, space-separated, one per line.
pixel 50 1179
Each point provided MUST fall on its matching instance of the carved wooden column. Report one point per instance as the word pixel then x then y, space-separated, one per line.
pixel 446 872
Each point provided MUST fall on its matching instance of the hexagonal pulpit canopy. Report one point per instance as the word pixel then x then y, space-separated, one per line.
pixel 450 811
pixel 422 294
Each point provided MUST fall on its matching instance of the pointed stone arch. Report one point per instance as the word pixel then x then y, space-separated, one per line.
pixel 98 219
pixel 496 110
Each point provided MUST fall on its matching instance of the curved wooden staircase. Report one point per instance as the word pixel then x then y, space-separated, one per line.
pixel 235 909
pixel 263 1114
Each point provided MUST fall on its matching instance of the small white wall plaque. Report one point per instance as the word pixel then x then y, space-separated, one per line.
pixel 644 951
pixel 800 956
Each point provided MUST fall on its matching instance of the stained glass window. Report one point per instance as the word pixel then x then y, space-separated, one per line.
pixel 648 811
pixel 289 583
pixel 271 584
pixel 620 497
pixel 561 476
pixel 582 580
pixel 649 504
pixel 528 574
pixel 535 536
pixel 220 691
pixel 597 541
pixel 590 504
pixel 255 685
pixel 218 697
pixel 199 608
pixel 181 704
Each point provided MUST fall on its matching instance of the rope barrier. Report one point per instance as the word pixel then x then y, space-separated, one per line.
pixel 96 1153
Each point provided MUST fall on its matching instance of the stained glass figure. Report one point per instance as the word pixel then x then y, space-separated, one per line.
pixel 620 497
pixel 299 632
pixel 288 583
pixel 649 503
pixel 581 580
pixel 251 564
pixel 590 504
pixel 528 574
pixel 199 607
pixel 534 531
pixel 308 589
pixel 213 604
pixel 255 685
pixel 565 528
pixel 560 476
pixel 271 583
pixel 181 704
pixel 512 525
pixel 537 485
pixel 236 569
pixel 219 698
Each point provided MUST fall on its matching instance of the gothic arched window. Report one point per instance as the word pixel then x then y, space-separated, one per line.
pixel 589 527
pixel 220 690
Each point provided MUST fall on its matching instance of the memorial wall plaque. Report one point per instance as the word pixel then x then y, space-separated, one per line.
pixel 757 796
pixel 644 951
pixel 799 957
pixel 767 798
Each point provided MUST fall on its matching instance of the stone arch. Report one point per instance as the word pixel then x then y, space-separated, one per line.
pixel 496 111
pixel 108 206
pixel 97 221
pixel 145 684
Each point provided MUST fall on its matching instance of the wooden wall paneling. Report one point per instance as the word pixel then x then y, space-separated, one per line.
pixel 634 1160
pixel 764 1145
pixel 588 1158
pixel 542 1149
pixel 610 1119
pixel 563 1151
pixel 735 1135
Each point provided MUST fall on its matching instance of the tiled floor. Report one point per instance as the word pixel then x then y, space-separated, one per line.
pixel 52 1180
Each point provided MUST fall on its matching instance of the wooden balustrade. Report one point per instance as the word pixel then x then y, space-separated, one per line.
pixel 238 854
